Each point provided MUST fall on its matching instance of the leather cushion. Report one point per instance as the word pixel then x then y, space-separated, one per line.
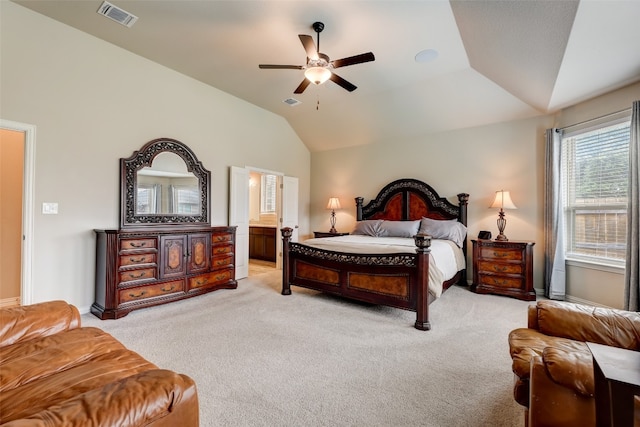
pixel 618 328
pixel 42 372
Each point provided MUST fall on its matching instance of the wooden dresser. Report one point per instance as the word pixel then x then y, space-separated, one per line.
pixel 137 269
pixel 503 268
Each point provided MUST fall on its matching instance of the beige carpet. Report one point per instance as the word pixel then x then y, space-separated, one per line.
pixel 308 359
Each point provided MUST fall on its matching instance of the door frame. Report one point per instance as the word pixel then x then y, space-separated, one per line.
pixel 26 279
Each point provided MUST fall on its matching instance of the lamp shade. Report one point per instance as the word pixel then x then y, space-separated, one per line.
pixel 503 200
pixel 334 203
pixel 317 75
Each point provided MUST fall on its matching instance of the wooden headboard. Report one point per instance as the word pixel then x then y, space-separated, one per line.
pixel 410 199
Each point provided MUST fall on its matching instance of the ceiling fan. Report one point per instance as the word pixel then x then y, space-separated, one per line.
pixel 319 68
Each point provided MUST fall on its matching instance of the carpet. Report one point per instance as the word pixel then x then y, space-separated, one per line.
pixel 310 359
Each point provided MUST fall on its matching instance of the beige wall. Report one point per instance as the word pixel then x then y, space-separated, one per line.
pixel 11 170
pixel 477 161
pixel 94 103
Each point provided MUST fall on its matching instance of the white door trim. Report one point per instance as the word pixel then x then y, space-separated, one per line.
pixel 26 286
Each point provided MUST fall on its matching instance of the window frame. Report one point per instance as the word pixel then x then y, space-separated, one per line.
pixel 571 210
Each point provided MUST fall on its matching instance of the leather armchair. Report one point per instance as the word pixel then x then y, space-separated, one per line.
pixel 552 365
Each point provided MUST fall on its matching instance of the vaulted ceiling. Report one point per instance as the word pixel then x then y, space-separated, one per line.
pixel 494 61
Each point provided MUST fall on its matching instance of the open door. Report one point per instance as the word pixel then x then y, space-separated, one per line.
pixel 239 216
pixel 290 205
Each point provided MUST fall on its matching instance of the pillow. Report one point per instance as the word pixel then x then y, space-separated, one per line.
pixel 399 228
pixel 369 227
pixel 444 229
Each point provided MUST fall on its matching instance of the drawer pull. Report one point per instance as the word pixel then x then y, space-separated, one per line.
pixel 168 290
pixel 137 259
pixel 202 282
pixel 499 268
pixel 139 295
pixel 138 245
pixel 500 254
pixel 221 276
pixel 134 276
pixel 221 238
pixel 222 262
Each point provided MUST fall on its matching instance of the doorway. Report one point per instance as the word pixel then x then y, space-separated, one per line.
pixel 264 197
pixel 17 160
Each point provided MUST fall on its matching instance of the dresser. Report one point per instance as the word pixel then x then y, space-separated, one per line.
pixel 503 268
pixel 262 243
pixel 137 269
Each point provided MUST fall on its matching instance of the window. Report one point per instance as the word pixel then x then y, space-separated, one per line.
pixel 595 171
pixel 268 194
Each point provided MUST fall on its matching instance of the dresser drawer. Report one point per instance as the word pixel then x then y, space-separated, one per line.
pixel 498 253
pixel 135 244
pixel 497 267
pixel 221 250
pixel 125 276
pixel 221 238
pixel 500 281
pixel 142 292
pixel 221 261
pixel 210 279
pixel 138 259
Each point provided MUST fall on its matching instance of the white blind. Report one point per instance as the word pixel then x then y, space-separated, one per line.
pixel 595 173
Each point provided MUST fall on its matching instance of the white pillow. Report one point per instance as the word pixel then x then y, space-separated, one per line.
pixel 399 228
pixel 444 229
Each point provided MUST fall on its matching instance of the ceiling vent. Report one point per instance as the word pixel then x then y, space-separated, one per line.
pixel 115 13
pixel 292 102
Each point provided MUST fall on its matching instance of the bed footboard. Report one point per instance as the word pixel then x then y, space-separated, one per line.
pixel 395 280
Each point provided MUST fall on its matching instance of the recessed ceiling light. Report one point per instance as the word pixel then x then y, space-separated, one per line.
pixel 426 55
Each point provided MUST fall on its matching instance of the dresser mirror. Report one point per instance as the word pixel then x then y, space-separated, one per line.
pixel 164 184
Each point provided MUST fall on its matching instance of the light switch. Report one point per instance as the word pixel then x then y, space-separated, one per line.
pixel 50 208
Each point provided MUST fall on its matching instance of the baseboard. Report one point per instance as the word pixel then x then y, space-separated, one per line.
pixel 9 302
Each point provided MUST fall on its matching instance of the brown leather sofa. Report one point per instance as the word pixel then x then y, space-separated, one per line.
pixel 53 372
pixel 553 367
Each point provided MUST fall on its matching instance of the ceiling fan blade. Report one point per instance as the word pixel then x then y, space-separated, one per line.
pixel 352 60
pixel 302 86
pixel 342 82
pixel 309 46
pixel 280 67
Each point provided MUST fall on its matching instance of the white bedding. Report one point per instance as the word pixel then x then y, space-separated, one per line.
pixel 445 261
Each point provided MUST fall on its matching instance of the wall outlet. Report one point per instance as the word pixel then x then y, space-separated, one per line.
pixel 50 208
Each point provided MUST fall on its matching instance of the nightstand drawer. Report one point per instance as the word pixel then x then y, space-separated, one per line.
pixel 495 267
pixel 500 254
pixel 500 281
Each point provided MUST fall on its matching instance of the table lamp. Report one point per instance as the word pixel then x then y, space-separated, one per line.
pixel 333 204
pixel 502 201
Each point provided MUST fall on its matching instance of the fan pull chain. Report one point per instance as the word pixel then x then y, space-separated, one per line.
pixel 318 103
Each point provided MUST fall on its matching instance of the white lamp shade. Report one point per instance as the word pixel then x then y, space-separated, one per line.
pixel 503 200
pixel 317 75
pixel 333 204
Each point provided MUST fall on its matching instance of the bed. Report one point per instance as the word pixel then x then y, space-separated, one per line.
pixel 397 275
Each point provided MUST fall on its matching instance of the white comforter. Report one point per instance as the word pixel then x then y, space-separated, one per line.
pixel 445 261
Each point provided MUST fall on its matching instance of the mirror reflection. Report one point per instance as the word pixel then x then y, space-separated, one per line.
pixel 167 187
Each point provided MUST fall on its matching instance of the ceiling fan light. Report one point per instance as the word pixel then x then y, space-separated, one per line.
pixel 317 75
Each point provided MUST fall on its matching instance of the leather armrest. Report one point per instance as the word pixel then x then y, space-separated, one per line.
pixel 152 398
pixel 532 317
pixel 618 328
pixel 38 320
pixel 573 370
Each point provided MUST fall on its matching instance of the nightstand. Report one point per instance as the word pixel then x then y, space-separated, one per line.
pixel 327 234
pixel 503 268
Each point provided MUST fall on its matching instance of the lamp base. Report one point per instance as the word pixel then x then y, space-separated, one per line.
pixel 333 230
pixel 501 238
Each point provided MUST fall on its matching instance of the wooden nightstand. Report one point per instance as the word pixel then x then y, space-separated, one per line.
pixel 503 268
pixel 327 234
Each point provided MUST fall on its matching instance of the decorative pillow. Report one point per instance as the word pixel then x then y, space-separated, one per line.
pixel 444 229
pixel 399 228
pixel 369 227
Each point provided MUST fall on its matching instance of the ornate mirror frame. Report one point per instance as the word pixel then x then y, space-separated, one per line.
pixel 129 168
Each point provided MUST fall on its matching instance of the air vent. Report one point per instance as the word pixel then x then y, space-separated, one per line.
pixel 115 13
pixel 292 102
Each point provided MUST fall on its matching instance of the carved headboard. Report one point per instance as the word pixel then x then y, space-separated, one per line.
pixel 411 199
